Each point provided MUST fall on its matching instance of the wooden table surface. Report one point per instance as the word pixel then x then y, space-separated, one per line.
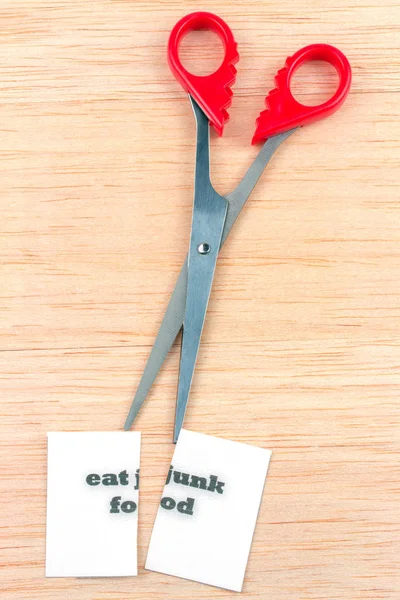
pixel 301 348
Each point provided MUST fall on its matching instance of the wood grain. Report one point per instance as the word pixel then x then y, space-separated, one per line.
pixel 301 350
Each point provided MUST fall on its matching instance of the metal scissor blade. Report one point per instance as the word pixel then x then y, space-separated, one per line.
pixel 169 329
pixel 202 261
pixel 198 292
pixel 209 214
pixel 174 315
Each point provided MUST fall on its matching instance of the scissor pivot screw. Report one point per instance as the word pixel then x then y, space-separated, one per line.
pixel 203 248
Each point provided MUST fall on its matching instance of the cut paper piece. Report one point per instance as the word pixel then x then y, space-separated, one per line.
pixel 92 504
pixel 208 511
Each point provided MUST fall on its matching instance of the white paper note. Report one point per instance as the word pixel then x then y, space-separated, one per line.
pixel 92 504
pixel 208 511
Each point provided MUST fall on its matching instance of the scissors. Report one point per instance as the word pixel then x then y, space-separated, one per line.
pixel 214 215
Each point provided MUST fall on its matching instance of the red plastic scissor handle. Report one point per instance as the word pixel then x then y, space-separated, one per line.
pixel 283 111
pixel 211 92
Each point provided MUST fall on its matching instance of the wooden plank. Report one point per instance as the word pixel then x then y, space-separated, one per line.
pixel 300 351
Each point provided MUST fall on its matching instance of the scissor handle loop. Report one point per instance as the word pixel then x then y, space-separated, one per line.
pixel 284 111
pixel 212 92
